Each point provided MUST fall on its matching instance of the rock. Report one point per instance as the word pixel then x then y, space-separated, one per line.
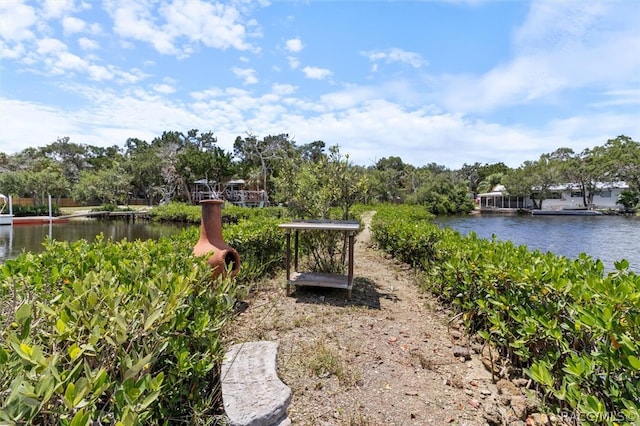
pixel 461 352
pixel 252 393
pixel 514 398
pixel 491 359
pixel 493 417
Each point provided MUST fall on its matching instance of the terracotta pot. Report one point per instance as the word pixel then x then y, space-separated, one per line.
pixel 224 258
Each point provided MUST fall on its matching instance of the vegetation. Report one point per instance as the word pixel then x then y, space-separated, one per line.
pixel 166 168
pixel 617 160
pixel 121 332
pixel 568 325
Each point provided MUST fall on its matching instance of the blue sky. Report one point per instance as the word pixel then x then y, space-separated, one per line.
pixel 446 82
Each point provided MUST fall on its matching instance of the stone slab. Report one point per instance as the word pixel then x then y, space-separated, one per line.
pixel 252 393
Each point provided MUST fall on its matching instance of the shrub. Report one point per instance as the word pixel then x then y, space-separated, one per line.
pixel 113 333
pixel 567 324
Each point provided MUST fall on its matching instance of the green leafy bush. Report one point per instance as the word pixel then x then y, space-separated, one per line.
pixel 176 212
pixel 567 324
pixel 22 211
pixel 191 213
pixel 113 333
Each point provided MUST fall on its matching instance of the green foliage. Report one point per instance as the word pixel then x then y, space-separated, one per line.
pixel 573 328
pixel 176 212
pixel 21 211
pixel 189 213
pixel 109 185
pixel 629 199
pixel 112 333
pixel 260 244
pixel 111 207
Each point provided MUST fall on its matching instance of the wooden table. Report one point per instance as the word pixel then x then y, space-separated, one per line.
pixel 350 228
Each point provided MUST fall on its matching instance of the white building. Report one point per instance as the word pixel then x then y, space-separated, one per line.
pixel 565 196
pixel 569 196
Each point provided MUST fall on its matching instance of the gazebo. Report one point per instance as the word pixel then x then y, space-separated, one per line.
pixel 499 199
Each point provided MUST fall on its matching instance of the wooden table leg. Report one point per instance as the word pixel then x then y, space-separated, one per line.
pixel 350 273
pixel 288 259
pixel 295 259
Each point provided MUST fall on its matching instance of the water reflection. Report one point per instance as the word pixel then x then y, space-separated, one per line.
pixel 18 238
pixel 608 238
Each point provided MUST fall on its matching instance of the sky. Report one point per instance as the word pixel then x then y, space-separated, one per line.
pixel 447 82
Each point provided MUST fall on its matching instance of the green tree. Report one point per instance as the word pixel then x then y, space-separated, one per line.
pixel 199 158
pixel 268 154
pixel 475 174
pixel 390 179
pixel 534 179
pixel 623 160
pixel 110 185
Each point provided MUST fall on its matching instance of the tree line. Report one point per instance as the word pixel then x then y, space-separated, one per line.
pixel 309 178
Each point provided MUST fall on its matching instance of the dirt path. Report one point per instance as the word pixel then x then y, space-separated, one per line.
pixel 385 357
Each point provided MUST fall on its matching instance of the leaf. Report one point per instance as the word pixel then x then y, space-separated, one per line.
pixel 23 312
pixel 149 400
pixel 61 326
pixel 80 419
pixel 152 318
pixel 137 367
pixel 634 362
pixel 74 351
pixel 540 373
pixel 69 395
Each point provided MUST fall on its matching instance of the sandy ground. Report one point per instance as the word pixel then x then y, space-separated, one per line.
pixel 389 356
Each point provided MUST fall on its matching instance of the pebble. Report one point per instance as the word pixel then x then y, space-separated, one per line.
pixel 461 352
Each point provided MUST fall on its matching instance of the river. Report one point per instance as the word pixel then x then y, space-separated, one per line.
pixel 15 239
pixel 608 238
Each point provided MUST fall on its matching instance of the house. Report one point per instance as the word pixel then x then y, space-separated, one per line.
pixel 562 197
pixel 232 191
pixel 570 196
pixel 499 200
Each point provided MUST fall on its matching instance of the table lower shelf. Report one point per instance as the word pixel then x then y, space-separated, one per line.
pixel 320 280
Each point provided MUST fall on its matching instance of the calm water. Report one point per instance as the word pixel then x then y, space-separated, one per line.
pixel 15 239
pixel 608 238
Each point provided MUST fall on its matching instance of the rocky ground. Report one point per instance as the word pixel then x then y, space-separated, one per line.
pixel 389 356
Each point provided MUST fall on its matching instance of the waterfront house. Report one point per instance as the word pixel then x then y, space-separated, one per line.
pixel 500 201
pixel 562 197
pixel 570 196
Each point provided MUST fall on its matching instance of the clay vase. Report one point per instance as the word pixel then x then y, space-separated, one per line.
pixel 224 260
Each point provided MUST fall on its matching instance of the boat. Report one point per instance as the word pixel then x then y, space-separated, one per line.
pixel 566 212
pixel 5 218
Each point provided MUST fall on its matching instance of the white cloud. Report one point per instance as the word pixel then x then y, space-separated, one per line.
pixel 561 47
pixel 57 8
pixel 16 20
pixel 294 63
pixel 88 44
pixel 294 45
pixel 247 74
pixel 181 25
pixel 72 25
pixel 214 25
pixel 50 45
pixel 397 55
pixel 316 73
pixel 283 89
pixel 134 20
pixel 165 89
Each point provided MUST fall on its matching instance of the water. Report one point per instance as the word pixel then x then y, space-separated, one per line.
pixel 608 238
pixel 15 239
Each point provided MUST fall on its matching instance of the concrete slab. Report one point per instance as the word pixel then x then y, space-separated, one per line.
pixel 252 393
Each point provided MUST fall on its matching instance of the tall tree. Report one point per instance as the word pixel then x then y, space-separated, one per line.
pixel 534 179
pixel 266 153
